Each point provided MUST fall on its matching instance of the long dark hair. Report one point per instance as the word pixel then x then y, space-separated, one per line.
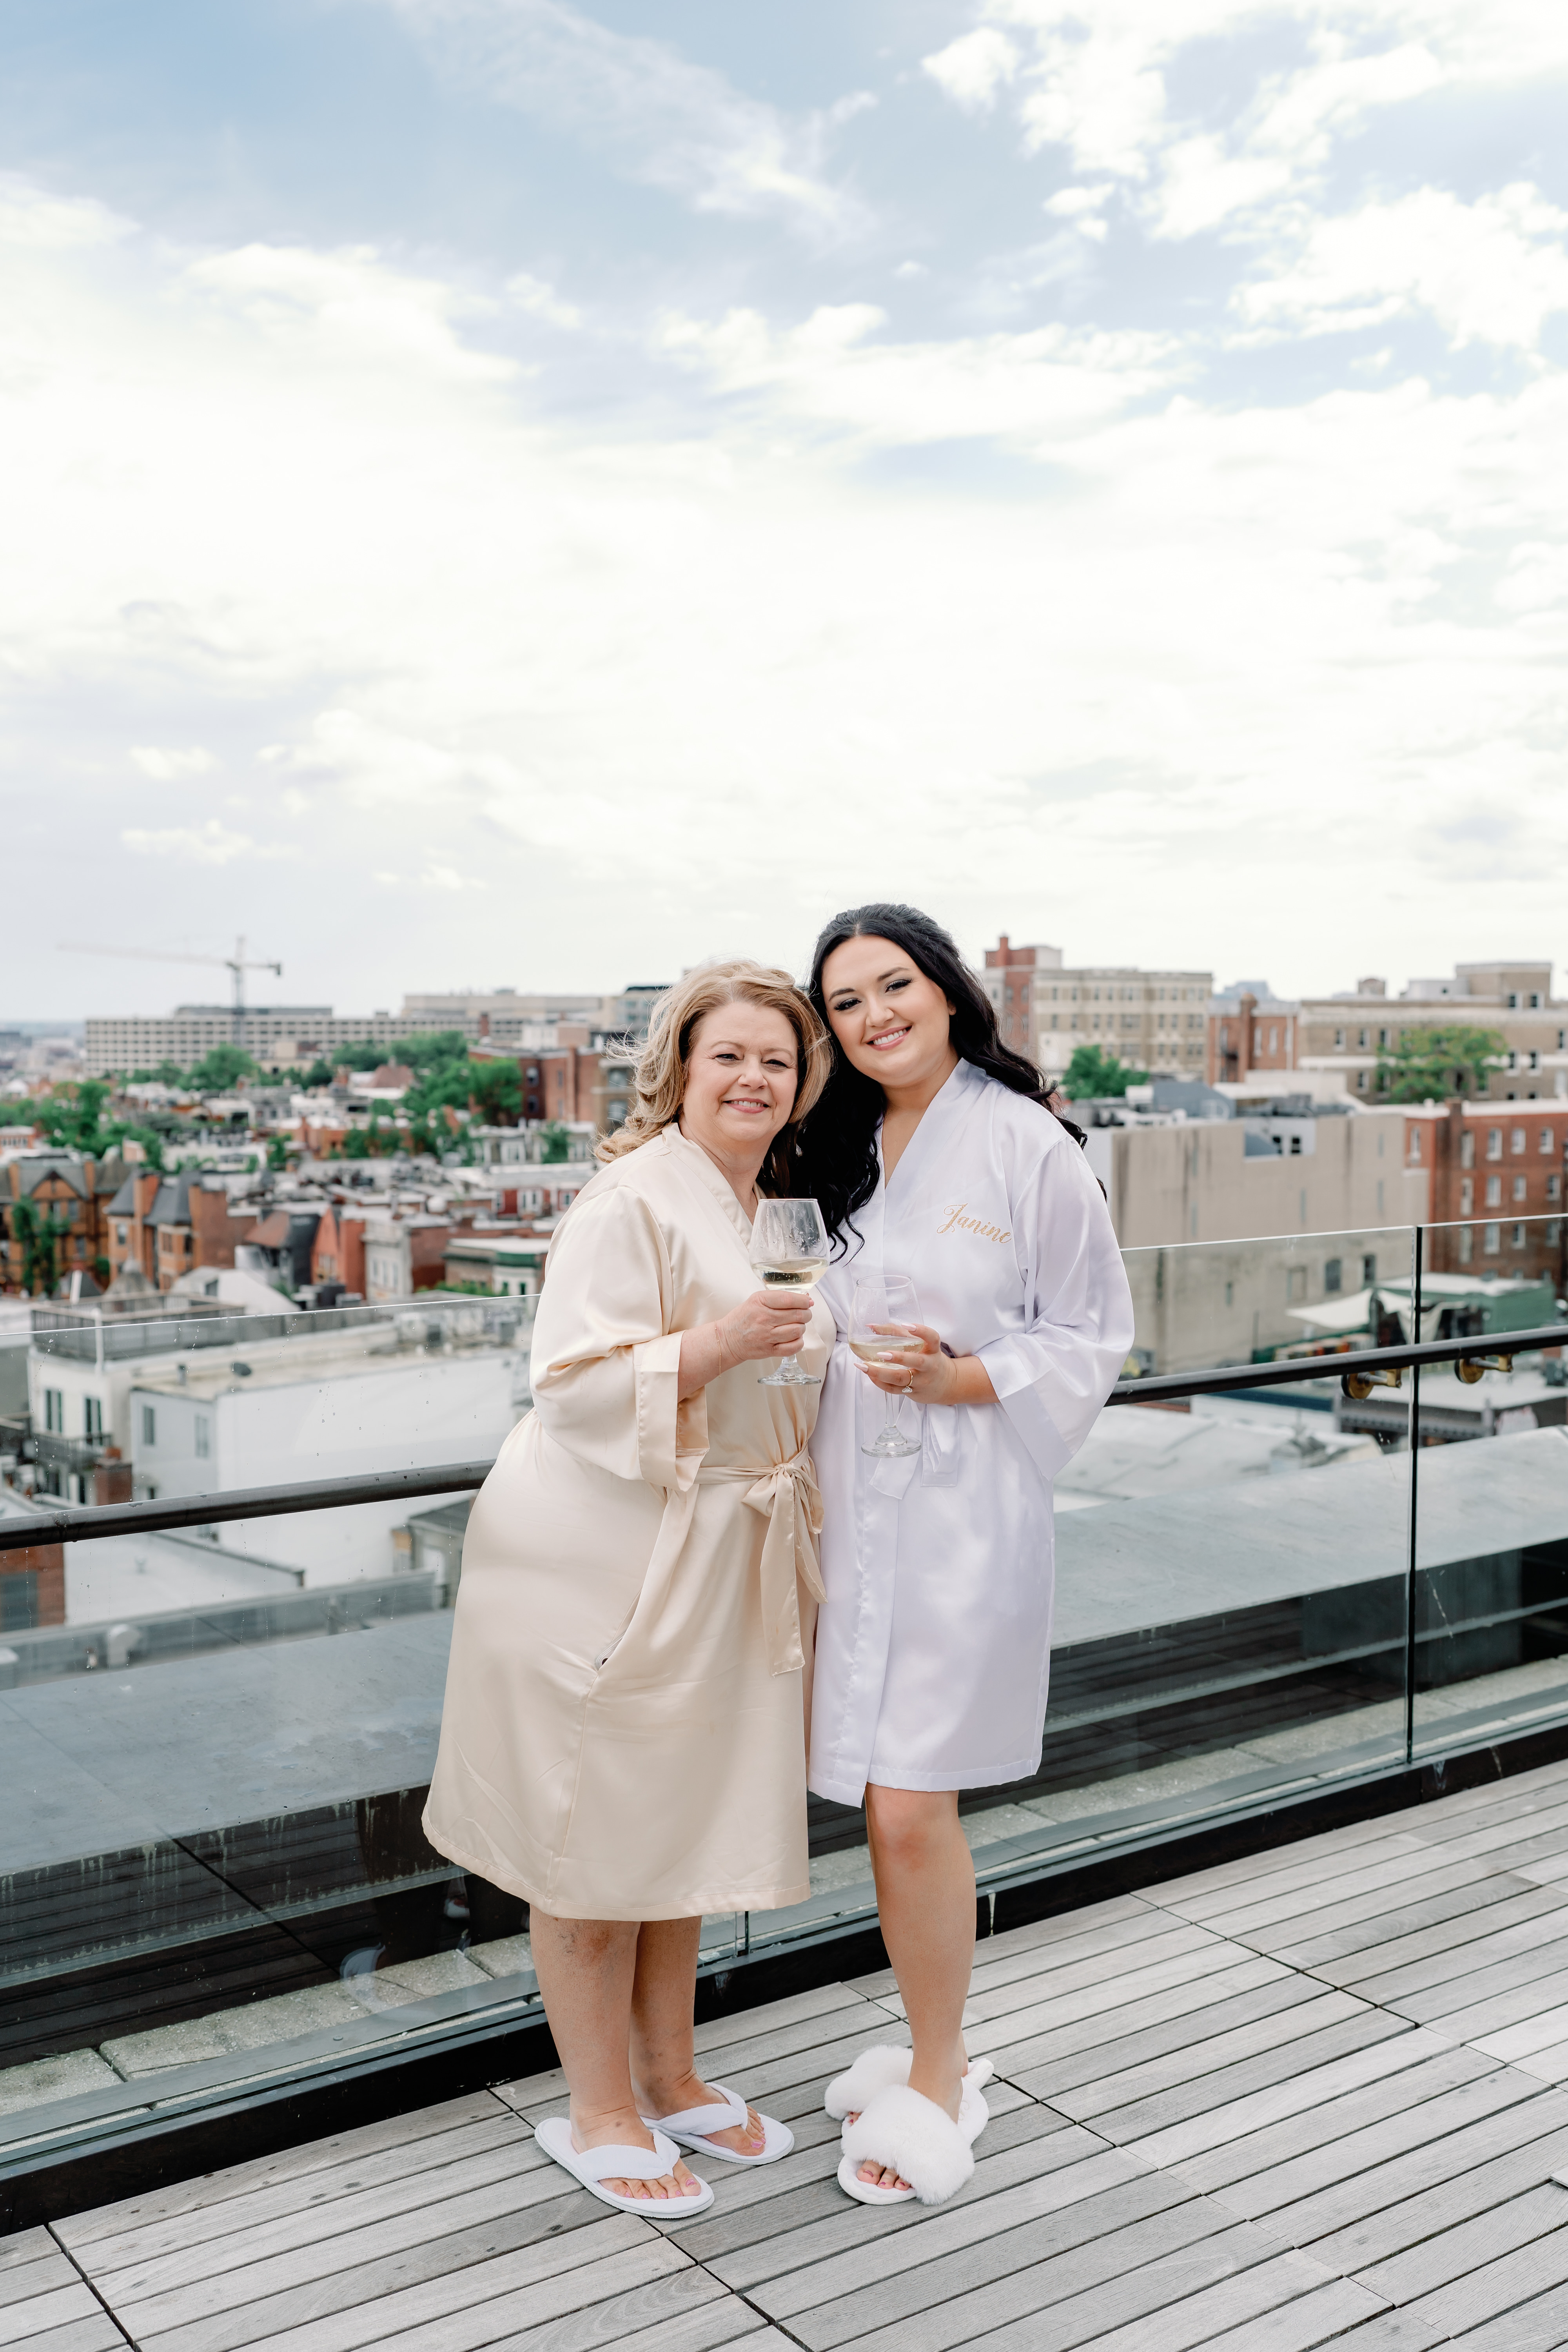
pixel 836 1154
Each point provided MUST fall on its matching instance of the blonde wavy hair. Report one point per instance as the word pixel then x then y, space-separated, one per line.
pixel 660 1078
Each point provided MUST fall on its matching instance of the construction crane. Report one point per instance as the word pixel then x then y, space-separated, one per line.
pixel 237 965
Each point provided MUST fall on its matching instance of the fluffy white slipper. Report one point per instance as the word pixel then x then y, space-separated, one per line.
pixel 874 2071
pixel 593 2166
pixel 693 2129
pixel 900 2127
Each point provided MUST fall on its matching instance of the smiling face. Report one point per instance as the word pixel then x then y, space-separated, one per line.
pixel 890 1020
pixel 742 1074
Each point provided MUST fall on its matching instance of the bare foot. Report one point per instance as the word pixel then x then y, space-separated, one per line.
pixel 669 2186
pixel 748 2138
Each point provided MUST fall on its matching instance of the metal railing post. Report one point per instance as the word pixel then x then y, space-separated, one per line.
pixel 1413 1425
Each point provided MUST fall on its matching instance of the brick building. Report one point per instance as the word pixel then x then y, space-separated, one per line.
pixel 170 1225
pixel 63 1195
pixel 1153 1020
pixel 1339 1040
pixel 1495 1186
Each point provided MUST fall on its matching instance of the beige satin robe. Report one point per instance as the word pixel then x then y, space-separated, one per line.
pixel 623 1735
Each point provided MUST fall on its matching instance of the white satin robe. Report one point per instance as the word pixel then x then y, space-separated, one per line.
pixel 934 1643
pixel 623 1735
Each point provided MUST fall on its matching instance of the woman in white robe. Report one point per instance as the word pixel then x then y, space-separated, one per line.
pixel 935 1156
pixel 623 1742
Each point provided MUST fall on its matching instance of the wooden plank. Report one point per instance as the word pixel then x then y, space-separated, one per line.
pixel 1498 2287
pixel 52 2307
pixel 1094 2000
pixel 97 2333
pixel 1309 1866
pixel 24 2246
pixel 1539 2325
pixel 1259 2179
pixel 1022 1990
pixel 1234 2118
pixel 1325 1849
pixel 1380 2235
pixel 1303 2064
pixel 1533 2000
pixel 1199 2025
pixel 1087 2203
pixel 1108 2299
pixel 963 2295
pixel 483 2318
pixel 817 2000
pixel 1509 2221
pixel 684 2312
pixel 47 2270
pixel 1276 1927
pixel 818 2226
pixel 1269 2286
pixel 1044 1963
pixel 1257 2153
pixel 1172 2005
pixel 1217 2055
pixel 1472 1897
pixel 1350 2205
pixel 399 2212
pixel 234 2180
pixel 1324 2316
pixel 351 2283
pixel 1456 1953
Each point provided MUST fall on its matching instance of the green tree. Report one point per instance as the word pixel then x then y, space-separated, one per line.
pixel 1094 1072
pixel 1429 1064
pixel 556 1140
pixel 221 1068
pixel 40 1231
pixel 495 1089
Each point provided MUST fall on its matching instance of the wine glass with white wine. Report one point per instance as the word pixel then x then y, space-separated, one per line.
pixel 789 1250
pixel 881 1322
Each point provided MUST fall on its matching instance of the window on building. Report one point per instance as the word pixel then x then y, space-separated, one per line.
pixel 92 1417
pixel 55 1412
pixel 1494 1191
pixel 148 1425
pixel 1364 1038
pixel 1339 1041
pixel 1554 1188
pixel 1554 1229
pixel 1416 1143
pixel 1494 1143
pixel 1333 1276
pixel 1535 999
pixel 1545 1143
pixel 121 1234
pixel 1466 1244
pixel 1513 1000
pixel 1491 1240
pixel 1520 1140
pixel 1368 1270
pixel 1383 1041
pixel 1535 1061
pixel 1519 1236
pixel 1519 1188
pixel 1466 1195
pixel 204 1436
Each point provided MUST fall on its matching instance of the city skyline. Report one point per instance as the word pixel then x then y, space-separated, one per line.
pixel 502 487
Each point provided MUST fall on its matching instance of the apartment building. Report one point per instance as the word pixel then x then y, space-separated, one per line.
pixel 1337 1040
pixel 1155 1020
pixel 1495 1181
pixel 279 1037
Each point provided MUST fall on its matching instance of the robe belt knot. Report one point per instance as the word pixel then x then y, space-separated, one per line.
pixel 786 1495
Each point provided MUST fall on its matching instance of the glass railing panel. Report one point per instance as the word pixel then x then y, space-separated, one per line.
pixel 1491 1588
pixel 1230 1577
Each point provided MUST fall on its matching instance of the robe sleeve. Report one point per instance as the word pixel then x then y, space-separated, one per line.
pixel 605 1365
pixel 1052 1377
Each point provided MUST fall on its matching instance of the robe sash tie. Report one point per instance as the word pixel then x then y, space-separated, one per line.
pixel 786 1495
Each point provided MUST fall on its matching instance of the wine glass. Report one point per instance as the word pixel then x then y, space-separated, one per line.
pixel 881 1321
pixel 789 1250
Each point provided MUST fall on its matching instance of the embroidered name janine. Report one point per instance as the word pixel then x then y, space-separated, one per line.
pixel 959 1222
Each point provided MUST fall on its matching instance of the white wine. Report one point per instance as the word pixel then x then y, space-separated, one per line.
pixel 879 1351
pixel 794 1273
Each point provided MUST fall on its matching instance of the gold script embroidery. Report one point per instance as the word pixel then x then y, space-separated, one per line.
pixel 959 1222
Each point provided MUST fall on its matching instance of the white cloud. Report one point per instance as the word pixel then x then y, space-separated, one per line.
pixel 541 300
pixel 350 306
pixel 1492 271
pixel 166 767
pixel 974 68
pixel 211 844
pixel 677 126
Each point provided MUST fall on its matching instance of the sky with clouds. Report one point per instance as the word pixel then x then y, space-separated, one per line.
pixel 501 492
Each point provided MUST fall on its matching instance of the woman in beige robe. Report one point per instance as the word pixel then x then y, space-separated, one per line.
pixel 623 1741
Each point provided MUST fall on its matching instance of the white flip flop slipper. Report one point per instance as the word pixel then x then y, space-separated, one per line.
pixel 593 2166
pixel 900 2127
pixel 693 2127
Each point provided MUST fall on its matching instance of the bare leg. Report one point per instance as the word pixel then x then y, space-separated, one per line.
pixel 663 2063
pixel 925 1901
pixel 587 1969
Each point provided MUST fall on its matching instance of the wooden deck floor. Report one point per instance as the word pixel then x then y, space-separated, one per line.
pixel 1296 2100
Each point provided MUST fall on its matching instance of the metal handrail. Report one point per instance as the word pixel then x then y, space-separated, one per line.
pixel 1221 1379
pixel 87 1523
pixel 93 1520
